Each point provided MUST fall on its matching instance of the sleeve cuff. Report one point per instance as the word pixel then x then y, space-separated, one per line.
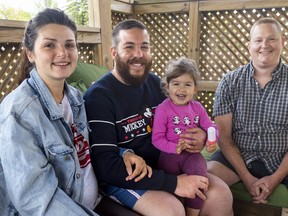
pixel 122 151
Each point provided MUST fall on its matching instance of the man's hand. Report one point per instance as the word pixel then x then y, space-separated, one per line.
pixel 141 169
pixel 191 185
pixel 195 139
pixel 258 190
pixel 267 185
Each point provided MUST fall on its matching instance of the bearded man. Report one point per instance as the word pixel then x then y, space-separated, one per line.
pixel 120 109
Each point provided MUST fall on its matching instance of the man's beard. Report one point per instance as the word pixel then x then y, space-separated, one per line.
pixel 124 70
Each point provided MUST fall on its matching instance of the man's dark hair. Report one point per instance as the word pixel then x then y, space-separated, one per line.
pixel 125 25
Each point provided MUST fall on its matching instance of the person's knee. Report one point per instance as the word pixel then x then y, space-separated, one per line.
pixel 223 192
pixel 174 207
pixel 226 174
pixel 219 187
pixel 219 198
pixel 213 167
pixel 159 203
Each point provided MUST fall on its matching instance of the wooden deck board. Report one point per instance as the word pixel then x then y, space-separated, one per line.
pixel 243 208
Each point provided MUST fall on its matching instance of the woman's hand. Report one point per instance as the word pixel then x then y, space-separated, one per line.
pixel 136 167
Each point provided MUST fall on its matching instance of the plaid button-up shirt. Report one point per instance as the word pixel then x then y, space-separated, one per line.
pixel 260 116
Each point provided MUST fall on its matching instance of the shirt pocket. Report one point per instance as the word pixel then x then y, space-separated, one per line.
pixel 275 116
pixel 61 157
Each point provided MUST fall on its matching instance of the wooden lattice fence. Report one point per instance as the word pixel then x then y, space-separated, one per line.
pixel 9 67
pixel 223 38
pixel 11 33
pixel 224 43
pixel 223 47
pixel 225 35
pixel 10 61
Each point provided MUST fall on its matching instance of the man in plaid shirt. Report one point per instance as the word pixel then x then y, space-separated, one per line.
pixel 251 111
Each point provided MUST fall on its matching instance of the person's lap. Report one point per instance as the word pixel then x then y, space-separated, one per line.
pixel 146 202
pixel 219 199
pixel 154 203
pixel 184 163
pixel 256 168
pixel 109 207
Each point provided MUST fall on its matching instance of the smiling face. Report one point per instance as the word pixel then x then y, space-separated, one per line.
pixel 132 56
pixel 265 45
pixel 182 89
pixel 55 53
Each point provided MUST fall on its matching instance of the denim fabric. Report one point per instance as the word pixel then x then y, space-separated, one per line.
pixel 39 168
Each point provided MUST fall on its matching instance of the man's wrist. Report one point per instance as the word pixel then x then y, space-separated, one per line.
pixel 123 151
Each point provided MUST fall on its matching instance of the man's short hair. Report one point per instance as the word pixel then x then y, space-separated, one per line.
pixel 125 25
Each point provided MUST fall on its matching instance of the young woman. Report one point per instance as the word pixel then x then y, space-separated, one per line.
pixel 45 166
pixel 45 161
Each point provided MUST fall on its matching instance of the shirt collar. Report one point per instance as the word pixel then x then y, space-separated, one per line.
pixel 275 74
pixel 46 97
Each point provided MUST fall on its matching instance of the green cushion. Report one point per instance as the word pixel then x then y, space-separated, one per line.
pixel 79 85
pixel 86 74
pixel 207 155
pixel 279 197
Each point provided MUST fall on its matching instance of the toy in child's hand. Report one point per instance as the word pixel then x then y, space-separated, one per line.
pixel 212 140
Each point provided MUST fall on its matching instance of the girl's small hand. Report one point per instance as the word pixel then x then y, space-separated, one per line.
pixel 181 146
pixel 211 147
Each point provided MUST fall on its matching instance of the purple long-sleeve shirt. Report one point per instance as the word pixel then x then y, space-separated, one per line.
pixel 171 120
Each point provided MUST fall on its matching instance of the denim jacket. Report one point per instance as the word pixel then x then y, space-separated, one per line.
pixel 39 168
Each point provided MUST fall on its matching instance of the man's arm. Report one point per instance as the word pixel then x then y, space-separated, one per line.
pixel 282 170
pixel 233 155
pixel 228 147
pixel 187 186
pixel 106 160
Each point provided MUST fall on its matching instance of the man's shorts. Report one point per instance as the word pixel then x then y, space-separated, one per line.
pixel 256 168
pixel 126 197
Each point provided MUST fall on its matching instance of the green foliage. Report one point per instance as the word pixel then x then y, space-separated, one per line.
pixel 14 14
pixel 78 10
pixel 42 4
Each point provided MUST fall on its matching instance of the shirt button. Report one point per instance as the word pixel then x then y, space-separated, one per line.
pixel 258 137
pixel 77 175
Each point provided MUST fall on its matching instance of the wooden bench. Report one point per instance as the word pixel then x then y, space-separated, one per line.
pixel 242 201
